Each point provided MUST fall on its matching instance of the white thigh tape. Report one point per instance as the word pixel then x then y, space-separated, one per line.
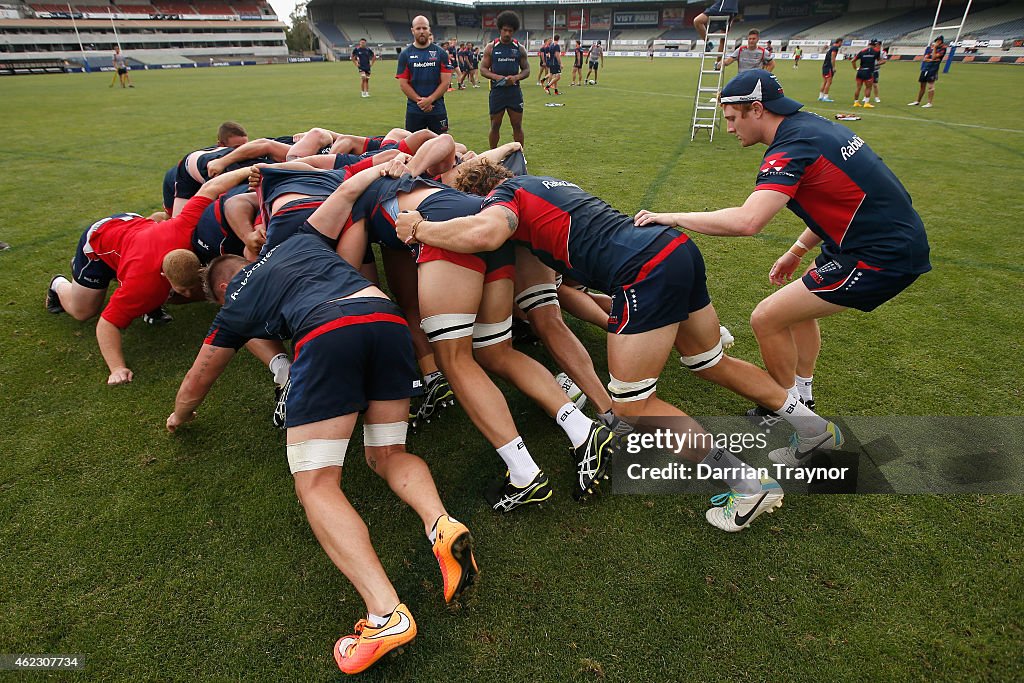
pixel 487 334
pixel 703 361
pixel 316 454
pixel 387 434
pixel 448 326
pixel 537 296
pixel 624 392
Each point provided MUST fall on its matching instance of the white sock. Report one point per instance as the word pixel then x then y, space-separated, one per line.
pixel 280 366
pixel 376 621
pixel 57 281
pixel 804 385
pixel 792 391
pixel 804 420
pixel 721 458
pixel 575 423
pixel 521 467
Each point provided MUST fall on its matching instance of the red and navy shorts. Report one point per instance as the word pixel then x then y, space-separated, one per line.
pixel 849 281
pixel 351 352
pixel 373 143
pixel 90 272
pixel 667 289
pixel 287 220
pixel 499 264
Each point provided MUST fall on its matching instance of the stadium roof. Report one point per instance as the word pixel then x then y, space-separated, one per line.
pixel 492 4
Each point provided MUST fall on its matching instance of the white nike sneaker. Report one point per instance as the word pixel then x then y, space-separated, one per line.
pixel 801 449
pixel 735 511
pixel 925 106
pixel 727 339
pixel 574 393
pixel 913 104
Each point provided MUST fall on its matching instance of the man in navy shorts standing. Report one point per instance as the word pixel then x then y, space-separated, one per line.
pixel 873 242
pixel 363 57
pixel 828 69
pixel 505 64
pixel 424 75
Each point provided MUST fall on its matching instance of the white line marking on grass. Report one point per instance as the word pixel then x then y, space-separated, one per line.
pixel 864 117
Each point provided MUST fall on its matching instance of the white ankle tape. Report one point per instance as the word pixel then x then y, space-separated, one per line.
pixel 487 334
pixel 448 326
pixel 703 361
pixel 536 296
pixel 386 434
pixel 316 454
pixel 624 392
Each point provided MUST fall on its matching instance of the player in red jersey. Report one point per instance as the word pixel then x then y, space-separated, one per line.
pixel 133 250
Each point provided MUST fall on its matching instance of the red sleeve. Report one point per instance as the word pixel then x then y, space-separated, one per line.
pixel 502 196
pixel 185 222
pixel 134 298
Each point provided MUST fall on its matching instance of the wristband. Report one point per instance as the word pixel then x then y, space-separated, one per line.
pixel 801 249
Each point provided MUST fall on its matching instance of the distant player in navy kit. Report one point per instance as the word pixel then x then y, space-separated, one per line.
pixel 828 69
pixel 303 290
pixel 505 64
pixel 577 65
pixel 865 64
pixel 554 62
pixel 930 72
pixel 424 75
pixel 883 58
pixel 873 242
pixel 363 57
pixel 657 282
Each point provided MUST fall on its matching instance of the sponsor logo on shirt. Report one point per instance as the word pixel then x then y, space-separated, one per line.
pixel 424 64
pixel 851 147
pixel 775 163
pixel 248 273
pixel 559 183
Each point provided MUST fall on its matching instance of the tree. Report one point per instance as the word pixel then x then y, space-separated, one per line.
pixel 297 33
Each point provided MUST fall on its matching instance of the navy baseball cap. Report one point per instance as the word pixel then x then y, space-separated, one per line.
pixel 758 85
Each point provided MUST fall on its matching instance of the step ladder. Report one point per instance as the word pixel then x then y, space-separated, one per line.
pixel 709 80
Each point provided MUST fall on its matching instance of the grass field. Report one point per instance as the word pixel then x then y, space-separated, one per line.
pixel 188 557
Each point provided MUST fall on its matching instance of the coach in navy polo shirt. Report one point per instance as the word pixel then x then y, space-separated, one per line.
pixel 424 75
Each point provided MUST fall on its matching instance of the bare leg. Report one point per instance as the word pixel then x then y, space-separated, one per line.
pixel 772 322
pixel 81 303
pixel 516 119
pixel 559 340
pixel 494 135
pixel 336 524
pixel 406 474
pixel 479 397
pixel 529 376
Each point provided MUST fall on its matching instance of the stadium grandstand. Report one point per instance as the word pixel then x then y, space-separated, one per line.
pixel 38 37
pixel 184 32
pixel 634 25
